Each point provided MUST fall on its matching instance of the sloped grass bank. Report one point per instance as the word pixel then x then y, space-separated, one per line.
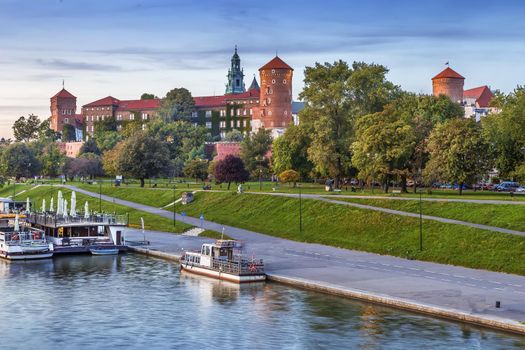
pixel 499 215
pixel 365 230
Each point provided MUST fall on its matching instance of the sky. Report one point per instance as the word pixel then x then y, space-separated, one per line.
pixel 123 48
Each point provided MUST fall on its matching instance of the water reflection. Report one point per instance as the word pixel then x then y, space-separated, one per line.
pixel 134 302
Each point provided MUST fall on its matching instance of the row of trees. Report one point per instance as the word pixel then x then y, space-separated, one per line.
pixel 357 124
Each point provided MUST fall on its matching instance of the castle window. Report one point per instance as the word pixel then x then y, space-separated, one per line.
pixel 284 81
pixel 238 82
pixel 132 117
pixel 208 114
pixel 251 111
pixel 232 112
pixel 269 100
pixel 285 112
pixel 244 112
pixel 223 113
pixel 273 70
pixel 269 112
pixel 273 81
pixel 66 120
pixel 208 125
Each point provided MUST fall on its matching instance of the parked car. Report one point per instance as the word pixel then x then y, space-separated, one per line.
pixel 507 186
pixel 520 189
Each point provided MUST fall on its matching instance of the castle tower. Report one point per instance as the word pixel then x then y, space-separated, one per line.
pixel 63 109
pixel 450 83
pixel 275 103
pixel 235 76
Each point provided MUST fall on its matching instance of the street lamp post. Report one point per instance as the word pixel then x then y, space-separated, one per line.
pixel 174 212
pixel 420 222
pixel 260 181
pixel 300 210
pixel 100 196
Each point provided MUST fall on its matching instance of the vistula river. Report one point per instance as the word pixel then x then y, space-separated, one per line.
pixel 134 302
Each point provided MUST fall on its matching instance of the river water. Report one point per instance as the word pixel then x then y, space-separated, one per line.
pixel 134 302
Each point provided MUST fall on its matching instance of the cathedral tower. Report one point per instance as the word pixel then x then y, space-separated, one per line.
pixel 235 76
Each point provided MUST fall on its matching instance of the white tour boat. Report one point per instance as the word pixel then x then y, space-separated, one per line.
pixel 223 260
pixel 24 244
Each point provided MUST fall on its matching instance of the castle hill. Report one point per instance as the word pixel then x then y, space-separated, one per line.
pixel 277 175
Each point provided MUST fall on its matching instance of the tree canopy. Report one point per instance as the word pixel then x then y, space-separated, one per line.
pixel 177 105
pixel 230 169
pixel 335 95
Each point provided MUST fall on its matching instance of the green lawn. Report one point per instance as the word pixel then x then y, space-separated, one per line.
pixel 151 222
pixel 499 215
pixel 353 228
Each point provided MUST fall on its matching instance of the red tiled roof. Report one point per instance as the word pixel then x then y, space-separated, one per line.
pixel 448 73
pixel 139 104
pixel 276 63
pixel 218 101
pixel 481 94
pixel 64 94
pixel 106 101
pixel 210 101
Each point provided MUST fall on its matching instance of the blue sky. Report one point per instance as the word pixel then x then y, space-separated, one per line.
pixel 125 47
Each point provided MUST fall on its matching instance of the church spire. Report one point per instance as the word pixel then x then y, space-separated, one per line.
pixel 235 75
pixel 254 85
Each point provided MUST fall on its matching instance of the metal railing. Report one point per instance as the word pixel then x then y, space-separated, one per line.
pixel 51 219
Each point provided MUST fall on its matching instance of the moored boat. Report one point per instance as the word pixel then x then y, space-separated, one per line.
pixel 25 244
pixel 223 260
pixel 104 251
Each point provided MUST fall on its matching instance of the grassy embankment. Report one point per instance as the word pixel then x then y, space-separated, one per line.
pixel 352 228
pixel 499 215
pixel 151 221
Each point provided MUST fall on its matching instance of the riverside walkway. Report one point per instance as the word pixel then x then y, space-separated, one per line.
pixel 443 290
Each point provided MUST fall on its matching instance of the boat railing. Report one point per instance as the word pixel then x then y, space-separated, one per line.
pixel 240 267
pixel 51 219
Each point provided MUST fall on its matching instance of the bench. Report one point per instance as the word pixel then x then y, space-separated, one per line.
pixel 396 192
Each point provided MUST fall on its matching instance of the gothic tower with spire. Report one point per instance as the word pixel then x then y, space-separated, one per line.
pixel 235 76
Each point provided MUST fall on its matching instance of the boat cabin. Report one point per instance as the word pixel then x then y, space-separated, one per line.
pixel 82 232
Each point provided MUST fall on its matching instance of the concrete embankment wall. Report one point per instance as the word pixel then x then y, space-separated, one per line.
pixel 489 322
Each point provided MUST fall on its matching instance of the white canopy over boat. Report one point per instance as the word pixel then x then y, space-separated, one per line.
pixel 86 210
pixel 43 205
pixel 64 201
pixel 28 205
pixel 51 206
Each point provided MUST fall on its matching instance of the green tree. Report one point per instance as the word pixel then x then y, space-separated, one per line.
pixel 505 132
pixel 233 136
pixel 177 105
pixel 52 160
pixel 290 151
pixel 26 129
pixel 335 95
pixel 107 140
pixel 254 149
pixel 68 133
pixel 197 169
pixel 90 146
pixel 142 156
pixel 17 160
pixel 147 96
pixel 382 146
pixel 105 125
pixel 458 153
pixel 184 141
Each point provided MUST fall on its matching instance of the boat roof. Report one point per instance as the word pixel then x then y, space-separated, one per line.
pixel 225 243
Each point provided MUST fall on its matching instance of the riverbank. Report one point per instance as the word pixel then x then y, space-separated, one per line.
pixel 443 291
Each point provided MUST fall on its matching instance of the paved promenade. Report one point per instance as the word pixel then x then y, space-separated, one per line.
pixel 444 290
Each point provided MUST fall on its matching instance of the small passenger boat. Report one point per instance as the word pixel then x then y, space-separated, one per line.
pixel 25 244
pixel 223 260
pixel 104 251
